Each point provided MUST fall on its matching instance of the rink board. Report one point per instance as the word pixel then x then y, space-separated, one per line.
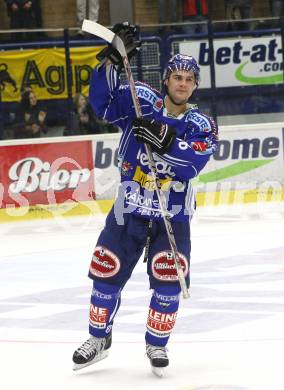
pixel 79 175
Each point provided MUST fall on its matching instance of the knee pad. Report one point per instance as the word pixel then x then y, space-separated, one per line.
pixel 166 296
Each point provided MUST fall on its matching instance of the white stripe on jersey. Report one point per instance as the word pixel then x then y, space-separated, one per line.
pixel 196 173
pixel 172 162
pixel 150 113
pixel 119 119
pixel 175 160
pixel 108 75
pixel 111 76
pixel 190 199
pixel 124 141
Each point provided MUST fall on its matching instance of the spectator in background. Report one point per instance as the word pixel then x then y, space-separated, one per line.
pixel 195 11
pixel 21 13
pixel 168 12
pixel 31 121
pixel 84 120
pixel 277 11
pixel 277 8
pixel 236 10
pixel 38 17
pixel 87 9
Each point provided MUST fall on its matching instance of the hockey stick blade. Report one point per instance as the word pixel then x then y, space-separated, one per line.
pixel 104 33
pixel 97 29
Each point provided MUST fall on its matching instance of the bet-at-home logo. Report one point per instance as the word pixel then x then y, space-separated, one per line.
pixel 254 60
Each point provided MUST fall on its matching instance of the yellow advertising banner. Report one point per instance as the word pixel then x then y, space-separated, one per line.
pixel 45 71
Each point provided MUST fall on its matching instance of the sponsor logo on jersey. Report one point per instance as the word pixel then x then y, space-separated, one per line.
pixel 138 200
pixel 146 94
pixel 160 324
pixel 126 168
pixel 162 167
pixel 98 317
pixel 147 181
pixel 145 205
pixel 200 120
pixel 164 268
pixel 105 264
pixel 158 105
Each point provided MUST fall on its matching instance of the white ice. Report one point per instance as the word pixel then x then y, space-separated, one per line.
pixel 229 334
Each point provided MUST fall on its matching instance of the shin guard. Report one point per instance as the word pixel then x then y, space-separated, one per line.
pixel 105 302
pixel 162 314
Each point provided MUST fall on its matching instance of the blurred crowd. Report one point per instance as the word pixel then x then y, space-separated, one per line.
pixel 27 14
pixel 195 14
pixel 32 118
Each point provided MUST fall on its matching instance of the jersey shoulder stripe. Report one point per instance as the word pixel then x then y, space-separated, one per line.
pixel 199 119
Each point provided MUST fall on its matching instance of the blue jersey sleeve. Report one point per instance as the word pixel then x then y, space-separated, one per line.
pixel 109 99
pixel 190 155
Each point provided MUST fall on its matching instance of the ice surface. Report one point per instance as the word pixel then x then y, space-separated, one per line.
pixel 229 334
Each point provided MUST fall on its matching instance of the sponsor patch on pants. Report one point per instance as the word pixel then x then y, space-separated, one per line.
pixel 160 324
pixel 98 317
pixel 164 268
pixel 105 264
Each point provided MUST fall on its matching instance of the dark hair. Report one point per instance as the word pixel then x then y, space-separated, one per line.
pixel 25 101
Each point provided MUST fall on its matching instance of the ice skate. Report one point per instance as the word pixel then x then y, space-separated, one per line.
pixel 91 351
pixel 158 359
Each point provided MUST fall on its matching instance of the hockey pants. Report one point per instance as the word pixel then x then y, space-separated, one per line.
pixel 118 250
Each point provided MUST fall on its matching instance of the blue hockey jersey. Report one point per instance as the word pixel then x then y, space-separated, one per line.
pixel 111 100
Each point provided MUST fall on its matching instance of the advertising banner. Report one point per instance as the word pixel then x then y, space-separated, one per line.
pixel 249 164
pixel 46 173
pixel 44 70
pixel 239 62
pixel 249 157
pixel 105 166
pixel 254 153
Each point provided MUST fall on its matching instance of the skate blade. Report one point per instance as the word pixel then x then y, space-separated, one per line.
pixel 102 356
pixel 158 371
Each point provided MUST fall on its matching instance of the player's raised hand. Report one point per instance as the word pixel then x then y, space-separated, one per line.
pixel 127 33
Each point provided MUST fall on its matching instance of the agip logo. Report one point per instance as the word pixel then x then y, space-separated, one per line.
pixel 6 78
pixel 44 70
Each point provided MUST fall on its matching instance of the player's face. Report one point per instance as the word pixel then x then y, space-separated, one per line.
pixel 181 84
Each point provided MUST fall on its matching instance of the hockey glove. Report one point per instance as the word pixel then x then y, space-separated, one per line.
pixel 127 33
pixel 158 135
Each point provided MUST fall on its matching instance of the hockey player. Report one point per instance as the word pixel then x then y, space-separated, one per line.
pixel 182 140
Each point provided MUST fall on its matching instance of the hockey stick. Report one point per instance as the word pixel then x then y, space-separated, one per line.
pixel 110 37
